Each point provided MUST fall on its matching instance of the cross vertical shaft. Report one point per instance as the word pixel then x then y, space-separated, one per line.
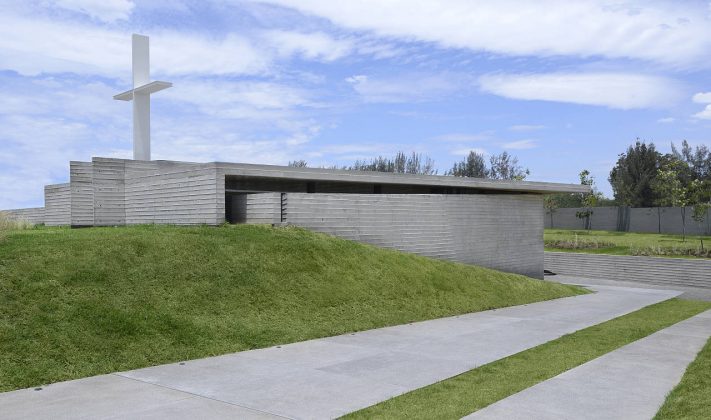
pixel 141 96
pixel 140 61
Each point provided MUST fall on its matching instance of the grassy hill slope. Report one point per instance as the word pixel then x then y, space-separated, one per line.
pixel 75 303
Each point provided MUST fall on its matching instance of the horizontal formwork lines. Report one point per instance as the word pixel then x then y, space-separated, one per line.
pixel 674 271
pixel 58 204
pixel 173 194
pixel 176 187
pixel 498 231
pixel 171 188
pixel 147 175
pixel 33 214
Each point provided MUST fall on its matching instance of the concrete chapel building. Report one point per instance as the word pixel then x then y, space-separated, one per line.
pixel 492 223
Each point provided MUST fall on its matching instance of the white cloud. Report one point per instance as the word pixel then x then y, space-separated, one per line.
pixel 666 120
pixel 666 31
pixel 525 127
pixel 312 46
pixel 220 97
pixel 33 45
pixel 520 145
pixel 705 114
pixel 702 98
pixel 103 10
pixel 614 90
pixel 405 88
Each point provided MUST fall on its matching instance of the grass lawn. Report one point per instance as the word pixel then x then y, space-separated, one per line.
pixel 477 388
pixel 80 302
pixel 691 399
pixel 626 243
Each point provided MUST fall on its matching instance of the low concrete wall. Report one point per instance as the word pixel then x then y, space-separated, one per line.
pixel 57 205
pixel 654 270
pixel 504 232
pixel 644 220
pixel 34 215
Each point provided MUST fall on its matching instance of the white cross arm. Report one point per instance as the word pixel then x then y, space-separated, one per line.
pixel 146 89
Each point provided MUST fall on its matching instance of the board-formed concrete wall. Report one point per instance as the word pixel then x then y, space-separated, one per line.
pixel 34 215
pixel 260 208
pixel 503 232
pixel 108 188
pixel 644 220
pixel 173 193
pixel 57 205
pixel 655 270
pixel 82 193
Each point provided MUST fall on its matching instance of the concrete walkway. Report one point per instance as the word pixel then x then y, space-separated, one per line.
pixel 693 293
pixel 629 383
pixel 326 377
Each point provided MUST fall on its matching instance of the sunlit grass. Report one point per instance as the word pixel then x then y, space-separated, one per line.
pixel 627 243
pixel 80 302
pixel 691 399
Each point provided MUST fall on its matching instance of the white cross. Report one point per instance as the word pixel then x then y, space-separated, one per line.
pixel 141 96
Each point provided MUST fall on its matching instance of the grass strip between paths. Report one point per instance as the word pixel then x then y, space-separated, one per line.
pixel 691 399
pixel 477 388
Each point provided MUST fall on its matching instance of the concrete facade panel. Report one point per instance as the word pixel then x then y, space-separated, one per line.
pixel 81 179
pixel 57 205
pixel 173 193
pixel 109 195
pixel 260 208
pixel 503 232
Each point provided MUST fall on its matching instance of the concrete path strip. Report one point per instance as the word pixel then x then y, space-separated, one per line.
pixel 629 383
pixel 327 377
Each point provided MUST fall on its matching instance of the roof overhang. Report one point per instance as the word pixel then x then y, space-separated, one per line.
pixel 339 175
pixel 318 174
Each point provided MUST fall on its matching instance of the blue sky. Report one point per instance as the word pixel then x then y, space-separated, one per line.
pixel 563 85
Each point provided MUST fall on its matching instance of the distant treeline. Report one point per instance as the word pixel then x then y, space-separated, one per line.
pixel 474 165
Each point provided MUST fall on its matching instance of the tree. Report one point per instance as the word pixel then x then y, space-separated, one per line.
pixel 551 205
pixel 401 163
pixel 671 191
pixel 473 166
pixel 505 166
pixel 567 200
pixel 588 200
pixel 699 193
pixel 633 175
pixel 298 163
pixel 501 166
pixel 698 159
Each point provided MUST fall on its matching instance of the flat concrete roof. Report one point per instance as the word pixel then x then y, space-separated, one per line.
pixel 371 177
pixel 339 175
